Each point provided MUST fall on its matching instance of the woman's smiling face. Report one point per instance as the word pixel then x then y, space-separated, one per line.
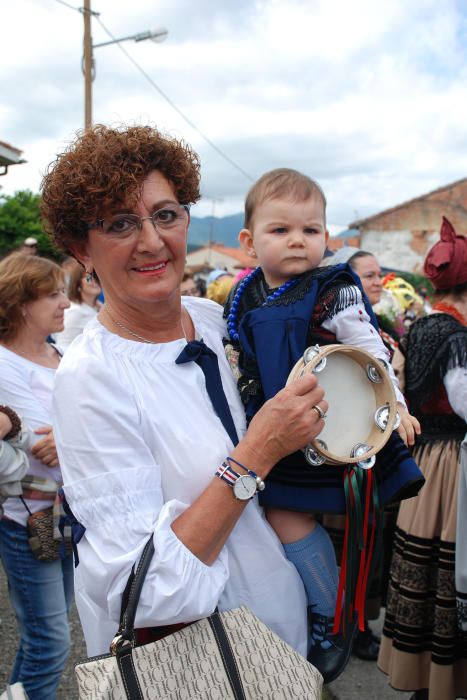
pixel 147 265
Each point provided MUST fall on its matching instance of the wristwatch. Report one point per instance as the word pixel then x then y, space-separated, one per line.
pixel 244 486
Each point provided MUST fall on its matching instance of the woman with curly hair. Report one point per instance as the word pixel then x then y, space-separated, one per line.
pixel 32 306
pixel 155 410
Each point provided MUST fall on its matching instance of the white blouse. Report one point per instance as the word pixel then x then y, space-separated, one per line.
pixel 76 318
pixel 138 441
pixel 27 388
pixel 455 383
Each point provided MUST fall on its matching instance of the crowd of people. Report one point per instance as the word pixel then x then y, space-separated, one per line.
pixel 142 398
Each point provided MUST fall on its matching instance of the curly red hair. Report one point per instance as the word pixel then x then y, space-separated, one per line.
pixel 104 168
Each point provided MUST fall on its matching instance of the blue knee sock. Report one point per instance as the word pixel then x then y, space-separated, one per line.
pixel 315 560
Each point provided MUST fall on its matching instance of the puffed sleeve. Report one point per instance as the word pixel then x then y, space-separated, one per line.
pixel 352 326
pixel 14 464
pixel 455 383
pixel 112 483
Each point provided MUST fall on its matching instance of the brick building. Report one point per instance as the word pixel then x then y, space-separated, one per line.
pixel 401 236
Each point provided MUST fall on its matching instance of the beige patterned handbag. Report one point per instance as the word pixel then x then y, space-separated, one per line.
pixel 227 656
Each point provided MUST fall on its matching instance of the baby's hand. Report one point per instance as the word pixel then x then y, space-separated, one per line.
pixel 409 426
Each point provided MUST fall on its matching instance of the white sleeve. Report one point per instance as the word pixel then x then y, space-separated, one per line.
pixel 14 464
pixel 73 326
pixel 113 486
pixel 352 326
pixel 455 383
pixel 15 391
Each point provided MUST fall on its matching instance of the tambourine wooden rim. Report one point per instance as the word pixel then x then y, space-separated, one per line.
pixel 381 384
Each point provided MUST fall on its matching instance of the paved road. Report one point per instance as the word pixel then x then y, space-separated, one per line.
pixel 9 640
pixel 361 680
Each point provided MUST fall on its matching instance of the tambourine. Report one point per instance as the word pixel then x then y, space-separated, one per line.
pixel 362 404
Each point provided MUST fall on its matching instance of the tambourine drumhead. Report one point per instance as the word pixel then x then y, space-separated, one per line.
pixel 353 400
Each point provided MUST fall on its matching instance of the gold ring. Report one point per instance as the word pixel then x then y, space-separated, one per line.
pixel 319 411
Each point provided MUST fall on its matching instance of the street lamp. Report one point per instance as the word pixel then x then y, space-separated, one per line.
pixel 157 35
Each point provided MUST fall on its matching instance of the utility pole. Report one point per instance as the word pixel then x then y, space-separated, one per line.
pixel 88 67
pixel 157 35
pixel 211 227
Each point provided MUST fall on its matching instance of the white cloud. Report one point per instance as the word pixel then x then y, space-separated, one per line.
pixel 367 97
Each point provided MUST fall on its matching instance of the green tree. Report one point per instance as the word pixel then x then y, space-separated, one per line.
pixel 19 218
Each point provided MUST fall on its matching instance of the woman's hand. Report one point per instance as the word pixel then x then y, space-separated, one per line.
pixel 44 450
pixel 5 425
pixel 288 421
pixel 409 426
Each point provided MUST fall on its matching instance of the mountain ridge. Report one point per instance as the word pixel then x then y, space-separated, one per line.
pixel 224 230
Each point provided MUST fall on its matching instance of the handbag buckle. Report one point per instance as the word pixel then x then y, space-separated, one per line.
pixel 118 642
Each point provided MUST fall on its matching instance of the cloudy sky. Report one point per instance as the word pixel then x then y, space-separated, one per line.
pixel 369 97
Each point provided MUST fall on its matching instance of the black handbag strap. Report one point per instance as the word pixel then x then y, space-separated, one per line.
pixel 126 634
pixel 25 504
pixel 132 593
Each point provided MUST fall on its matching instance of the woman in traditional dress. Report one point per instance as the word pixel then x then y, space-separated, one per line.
pixel 423 648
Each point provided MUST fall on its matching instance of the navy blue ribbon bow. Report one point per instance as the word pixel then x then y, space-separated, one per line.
pixel 69 520
pixel 197 351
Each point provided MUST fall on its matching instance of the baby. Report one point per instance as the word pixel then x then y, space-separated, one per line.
pixel 284 306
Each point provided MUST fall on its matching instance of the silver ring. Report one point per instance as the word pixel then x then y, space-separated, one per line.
pixel 319 411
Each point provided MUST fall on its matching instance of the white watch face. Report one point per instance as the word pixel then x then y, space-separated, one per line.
pixel 245 487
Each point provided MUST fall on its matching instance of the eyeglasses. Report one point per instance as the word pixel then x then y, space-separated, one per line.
pixel 171 218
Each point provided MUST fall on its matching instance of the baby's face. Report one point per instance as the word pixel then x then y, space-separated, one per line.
pixel 288 237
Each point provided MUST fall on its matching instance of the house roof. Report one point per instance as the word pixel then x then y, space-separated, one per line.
pixel 237 254
pixel 359 222
pixel 9 155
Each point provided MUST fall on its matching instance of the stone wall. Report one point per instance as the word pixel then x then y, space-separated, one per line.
pixel 395 249
pixel 400 237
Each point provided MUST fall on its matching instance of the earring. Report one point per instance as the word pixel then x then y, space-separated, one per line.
pixel 253 253
pixel 89 278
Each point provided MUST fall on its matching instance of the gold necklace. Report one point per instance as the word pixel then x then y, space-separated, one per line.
pixel 136 335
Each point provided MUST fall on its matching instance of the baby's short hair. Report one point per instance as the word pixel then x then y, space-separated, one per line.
pixel 281 182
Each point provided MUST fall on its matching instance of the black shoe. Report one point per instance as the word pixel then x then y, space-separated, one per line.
pixel 366 645
pixel 331 658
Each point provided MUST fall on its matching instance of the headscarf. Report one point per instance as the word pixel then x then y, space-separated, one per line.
pixel 219 289
pixel 446 262
pixel 243 273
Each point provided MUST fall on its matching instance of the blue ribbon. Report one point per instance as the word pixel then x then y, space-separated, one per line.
pixel 77 530
pixel 197 351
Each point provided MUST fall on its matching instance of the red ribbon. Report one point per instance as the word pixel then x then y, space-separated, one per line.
pixel 357 604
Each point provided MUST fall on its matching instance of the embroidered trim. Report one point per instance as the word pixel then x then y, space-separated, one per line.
pixel 434 345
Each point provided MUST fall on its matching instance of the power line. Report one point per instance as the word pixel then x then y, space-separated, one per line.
pixel 72 7
pixel 162 93
pixel 78 9
pixel 175 107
